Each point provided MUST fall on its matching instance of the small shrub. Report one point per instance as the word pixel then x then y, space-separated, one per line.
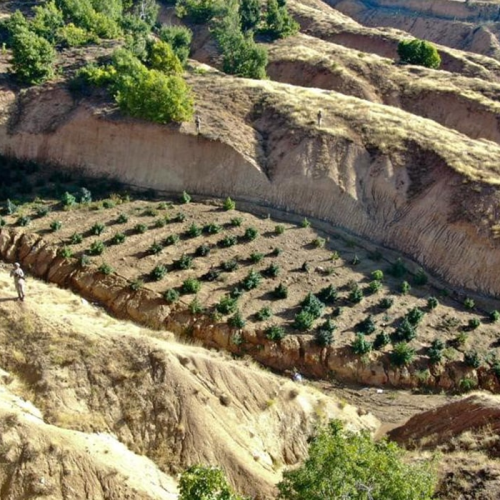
pixel 461 339
pixel 494 316
pixel 85 196
pixel 355 260
pixel 397 269
pixel 386 302
pixel 405 288
pixel 140 228
pixel 236 320
pixel 374 287
pixel 3 222
pixel 473 323
pixel 328 295
pixel 158 272
pixel 319 242
pixel 436 351
pixel 355 295
pixel 405 331
pixel 264 314
pixel 280 292
pixel 367 326
pixel 211 275
pixel 377 275
pixel 185 262
pixel 256 257
pixel 420 279
pixel 97 229
pixel 160 222
pixel 194 231
pixel 108 204
pixel 68 200
pixel 279 229
pixel 180 217
pixel 136 285
pixel 337 312
pixel 313 305
pixel 303 321
pixel 155 248
pixel 237 292
pixel 402 355
pixel 360 345
pixel 172 239
pixel 236 221
pixel 252 280
pixel 24 221
pixel 42 211
pixel 105 269
pixel 195 306
pixel 150 212
pixel 118 239
pixel 228 241
pixel 251 233
pixel 185 198
pixel 122 219
pixel 229 204
pixel 432 303
pixel 324 333
pixel 415 316
pixel 97 248
pixel 381 340
pixel 76 238
pixel 272 271
pixel 190 285
pixel 66 252
pixel 202 251
pixel 11 207
pixel 469 304
pixel 212 228
pixel 230 265
pixel 227 305
pixel 276 252
pixel 171 296
pixel 305 223
pixel 84 260
pixel 274 332
pixel 467 384
pixel 306 267
pixel 472 359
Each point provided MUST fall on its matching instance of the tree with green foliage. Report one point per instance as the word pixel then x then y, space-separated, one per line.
pixel 279 23
pixel 205 483
pixel 198 11
pixel 419 52
pixel 33 57
pixel 344 464
pixel 179 38
pixel 249 14
pixel 162 57
pixel 48 20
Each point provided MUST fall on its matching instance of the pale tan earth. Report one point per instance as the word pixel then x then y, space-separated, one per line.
pixel 105 394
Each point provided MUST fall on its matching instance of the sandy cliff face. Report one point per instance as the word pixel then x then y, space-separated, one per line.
pixel 402 181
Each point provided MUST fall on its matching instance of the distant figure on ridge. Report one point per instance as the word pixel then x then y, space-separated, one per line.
pixel 197 121
pixel 320 117
pixel 19 281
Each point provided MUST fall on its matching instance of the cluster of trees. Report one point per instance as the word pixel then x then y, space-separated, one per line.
pixel 341 464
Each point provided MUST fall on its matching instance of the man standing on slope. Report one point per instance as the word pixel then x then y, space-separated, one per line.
pixel 19 281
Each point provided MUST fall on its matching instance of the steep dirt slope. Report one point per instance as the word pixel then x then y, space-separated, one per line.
pixel 471 26
pixel 174 403
pixel 318 19
pixel 468 105
pixel 401 180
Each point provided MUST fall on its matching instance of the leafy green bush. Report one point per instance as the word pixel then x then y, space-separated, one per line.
pixel 264 314
pixel 96 248
pixel 160 222
pixel 212 228
pixel 256 257
pixel 194 230
pixel 180 217
pixel 198 11
pixel 274 332
pixel 323 335
pixel 276 252
pixel 473 323
pixel 249 12
pixel 33 57
pixel 313 305
pixel 328 295
pixel 227 305
pixel 76 238
pixel 236 320
pixel 251 233
pixel 432 303
pixel 228 241
pixel 24 220
pixel 158 272
pixel 252 280
pixel 42 211
pixel 195 307
pixel 318 242
pixel 118 239
pixel 162 58
pixel 345 464
pixel 374 286
pixel 278 21
pixel 305 222
pixel 230 265
pixel 377 275
pixel 366 326
pixel 66 252
pixel 397 269
pixel 272 271
pixel 172 239
pixel 155 248
pixel 280 292
pixel 405 331
pixel 436 351
pixel 179 38
pixel 360 345
pixel 140 228
pixel 202 251
pixel 185 262
pixel 136 285
pixel 47 21
pixel 105 269
pixel 229 204
pixel 303 321
pixel 190 285
pixel 381 340
pixel 494 316
pixel 3 222
pixel 415 316
pixel 469 304
pixel 68 200
pixel 419 52
pixel 402 354
pixel 472 359
pixel 171 295
pixel 467 384
pixel 236 221
pixel 420 279
pixel 355 295
pixel 386 303
pixel 74 36
pixel 122 219
pixel 405 288
pixel 279 229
